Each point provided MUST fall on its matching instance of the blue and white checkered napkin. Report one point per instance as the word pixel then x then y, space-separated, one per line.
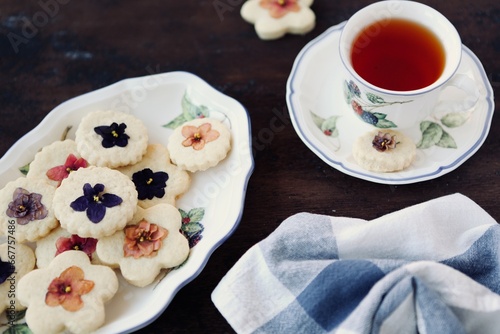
pixel 429 268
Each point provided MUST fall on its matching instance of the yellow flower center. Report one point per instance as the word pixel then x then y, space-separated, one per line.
pixel 67 289
pixel 281 2
pixel 96 198
pixel 197 136
pixel 114 134
pixel 76 247
pixel 21 208
pixel 149 181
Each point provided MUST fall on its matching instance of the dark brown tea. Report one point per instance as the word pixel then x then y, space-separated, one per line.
pixel 398 54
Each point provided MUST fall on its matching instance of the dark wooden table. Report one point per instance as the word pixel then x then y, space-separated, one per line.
pixel 66 48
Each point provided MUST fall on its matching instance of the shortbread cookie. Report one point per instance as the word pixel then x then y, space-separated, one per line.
pixel 55 161
pixel 150 242
pixel 95 202
pixel 384 151
pixel 111 138
pixel 68 295
pixel 16 260
pixel 199 144
pixel 59 241
pixel 156 179
pixel 26 209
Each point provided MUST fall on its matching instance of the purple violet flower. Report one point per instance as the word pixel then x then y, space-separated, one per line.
pixel 113 135
pixel 26 206
pixel 6 269
pixel 95 202
pixel 149 184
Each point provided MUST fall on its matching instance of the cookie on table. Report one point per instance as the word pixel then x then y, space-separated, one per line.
pixel 152 241
pixel 94 202
pixel 68 295
pixel 59 241
pixel 26 209
pixel 384 151
pixel 156 179
pixel 199 144
pixel 111 138
pixel 16 260
pixel 55 161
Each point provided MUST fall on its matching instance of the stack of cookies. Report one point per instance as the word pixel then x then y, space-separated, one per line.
pixel 102 203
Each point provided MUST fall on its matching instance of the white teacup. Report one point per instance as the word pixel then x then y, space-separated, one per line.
pixel 404 109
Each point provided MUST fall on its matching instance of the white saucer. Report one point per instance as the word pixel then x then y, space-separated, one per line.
pixel 314 95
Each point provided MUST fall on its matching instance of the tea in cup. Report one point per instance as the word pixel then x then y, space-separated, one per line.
pixel 397 57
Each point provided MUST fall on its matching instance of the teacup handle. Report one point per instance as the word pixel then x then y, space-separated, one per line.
pixel 467 85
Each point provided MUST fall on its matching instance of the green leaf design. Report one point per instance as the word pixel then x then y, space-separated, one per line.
pixel 446 141
pixel 179 120
pixel 431 134
pixel 379 115
pixel 330 125
pixel 374 98
pixel 25 169
pixel 385 124
pixel 196 215
pixel 454 119
pixel 18 329
pixel 192 111
pixel 317 119
pixel 192 228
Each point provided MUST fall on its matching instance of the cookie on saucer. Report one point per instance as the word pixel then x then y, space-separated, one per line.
pixel 384 151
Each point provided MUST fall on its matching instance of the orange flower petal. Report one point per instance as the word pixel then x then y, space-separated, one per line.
pixel 72 302
pixel 189 131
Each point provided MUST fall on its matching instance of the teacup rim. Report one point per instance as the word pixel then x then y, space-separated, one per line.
pixel 442 80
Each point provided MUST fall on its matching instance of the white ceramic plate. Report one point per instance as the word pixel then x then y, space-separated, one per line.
pixel 159 100
pixel 322 120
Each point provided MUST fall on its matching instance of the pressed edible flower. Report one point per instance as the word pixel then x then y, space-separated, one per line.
pixel 279 8
pixel 72 163
pixel 26 207
pixel 197 137
pixel 67 289
pixel 384 141
pixel 75 242
pixel 113 135
pixel 150 184
pixel 94 201
pixel 6 269
pixel 143 239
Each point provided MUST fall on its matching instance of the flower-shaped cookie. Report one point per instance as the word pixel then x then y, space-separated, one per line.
pixel 59 241
pixel 150 242
pixel 274 18
pixel 156 179
pixel 16 260
pixel 26 209
pixel 69 294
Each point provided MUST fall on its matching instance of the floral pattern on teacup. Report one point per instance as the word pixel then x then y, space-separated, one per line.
pixel 364 107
